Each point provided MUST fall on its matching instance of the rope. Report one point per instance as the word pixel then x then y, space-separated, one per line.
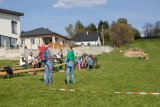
pixel 125 93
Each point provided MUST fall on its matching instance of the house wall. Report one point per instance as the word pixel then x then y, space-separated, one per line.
pixel 39 41
pixel 6 26
pixel 90 42
pixel 99 41
pixel 61 40
pixel 29 45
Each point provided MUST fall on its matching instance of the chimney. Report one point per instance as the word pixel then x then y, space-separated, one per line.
pixel 87 32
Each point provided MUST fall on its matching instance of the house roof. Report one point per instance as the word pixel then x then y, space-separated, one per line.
pixel 81 37
pixel 11 12
pixel 40 32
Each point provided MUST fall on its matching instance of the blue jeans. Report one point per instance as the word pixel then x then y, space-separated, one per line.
pixel 48 72
pixel 70 71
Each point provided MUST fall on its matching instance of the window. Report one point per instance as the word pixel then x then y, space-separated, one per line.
pixel 13 42
pixel 14 27
pixel 8 42
pixel 5 41
pixel 22 41
pixel 63 42
pixel 33 40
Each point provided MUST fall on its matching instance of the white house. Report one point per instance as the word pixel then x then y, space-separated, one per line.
pixel 9 28
pixel 34 38
pixel 88 38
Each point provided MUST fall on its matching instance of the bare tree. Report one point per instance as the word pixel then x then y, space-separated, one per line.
pixel 148 30
pixel 157 28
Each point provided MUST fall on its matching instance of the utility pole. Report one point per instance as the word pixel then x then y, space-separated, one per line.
pixel 103 34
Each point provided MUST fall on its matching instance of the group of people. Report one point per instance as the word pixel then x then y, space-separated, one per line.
pixel 31 60
pixel 48 57
pixel 85 61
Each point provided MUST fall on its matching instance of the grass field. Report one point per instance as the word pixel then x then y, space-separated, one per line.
pixel 117 73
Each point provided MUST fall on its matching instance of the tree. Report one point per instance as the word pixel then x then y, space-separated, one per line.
pixel 121 33
pixel 70 30
pixel 91 27
pixel 148 30
pixel 157 28
pixel 107 37
pixel 136 33
pixel 79 28
pixel 105 25
pixel 100 25
pixel 152 30
pixel 122 20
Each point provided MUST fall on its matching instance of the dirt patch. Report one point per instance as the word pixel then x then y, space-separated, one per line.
pixel 135 52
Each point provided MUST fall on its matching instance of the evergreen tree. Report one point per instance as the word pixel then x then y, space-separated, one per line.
pixel 79 28
pixel 91 27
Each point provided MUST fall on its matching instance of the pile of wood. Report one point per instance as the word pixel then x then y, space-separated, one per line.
pixel 58 46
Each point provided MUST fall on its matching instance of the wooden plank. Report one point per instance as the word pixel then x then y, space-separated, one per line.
pixel 57 65
pixel 22 71
pixel 3 73
pixel 14 69
pixel 29 70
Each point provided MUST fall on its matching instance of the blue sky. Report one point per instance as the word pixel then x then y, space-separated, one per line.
pixel 56 14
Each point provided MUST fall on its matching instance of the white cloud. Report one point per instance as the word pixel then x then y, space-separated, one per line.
pixel 79 3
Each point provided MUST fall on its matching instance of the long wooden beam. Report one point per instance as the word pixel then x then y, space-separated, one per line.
pixel 28 70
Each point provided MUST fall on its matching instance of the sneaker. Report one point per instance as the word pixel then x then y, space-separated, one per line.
pixel 50 82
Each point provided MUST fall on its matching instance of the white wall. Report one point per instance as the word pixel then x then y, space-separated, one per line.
pixel 86 43
pixel 99 41
pixel 6 26
pixel 15 54
pixel 39 41
pixel 60 40
pixel 91 42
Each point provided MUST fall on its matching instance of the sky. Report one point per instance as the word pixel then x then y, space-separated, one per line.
pixel 56 14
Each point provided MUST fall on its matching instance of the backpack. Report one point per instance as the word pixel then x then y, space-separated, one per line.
pixel 43 54
pixel 9 70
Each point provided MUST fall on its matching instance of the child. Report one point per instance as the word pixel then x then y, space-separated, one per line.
pixel 82 63
pixel 77 62
pixel 90 63
pixel 37 62
pixel 23 62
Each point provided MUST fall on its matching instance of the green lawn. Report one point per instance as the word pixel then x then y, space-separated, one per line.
pixel 117 73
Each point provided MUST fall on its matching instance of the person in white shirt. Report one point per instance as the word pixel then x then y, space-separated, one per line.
pixel 31 59
pixel 23 62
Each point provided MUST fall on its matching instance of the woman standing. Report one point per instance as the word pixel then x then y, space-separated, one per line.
pixel 70 65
